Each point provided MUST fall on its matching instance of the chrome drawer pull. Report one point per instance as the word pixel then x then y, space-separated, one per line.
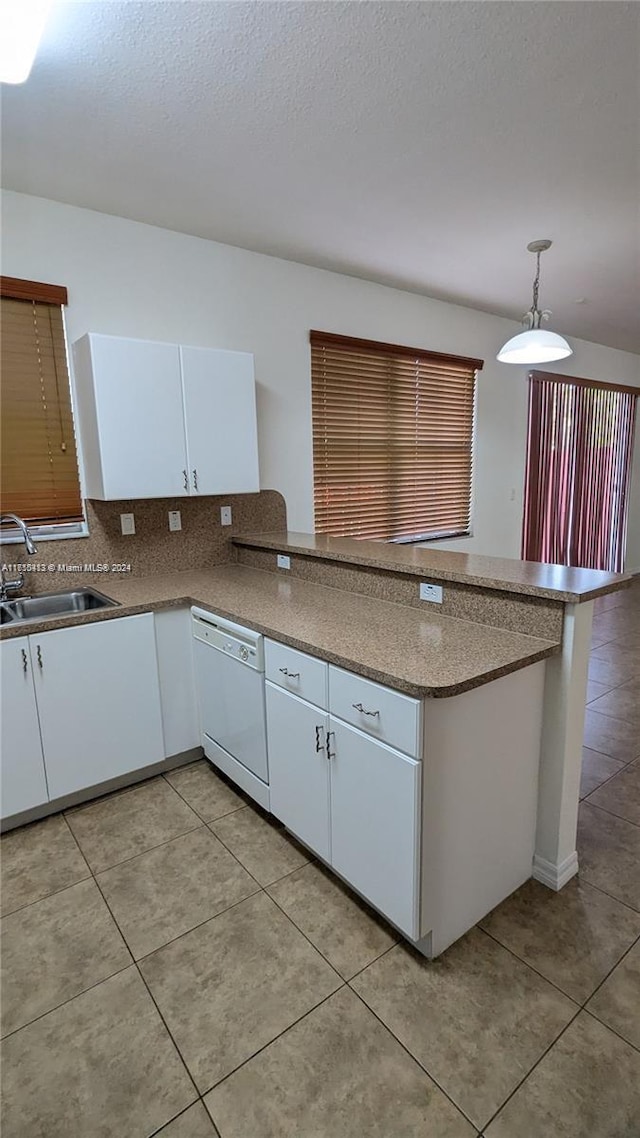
pixel 359 707
pixel 195 480
pixel 24 661
pixel 39 655
pixel 330 754
pixel 319 745
pixel 291 675
pixel 186 479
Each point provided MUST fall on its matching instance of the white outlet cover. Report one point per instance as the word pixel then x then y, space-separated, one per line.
pixel 284 562
pixel 225 516
pixel 127 523
pixel 175 520
pixel 429 592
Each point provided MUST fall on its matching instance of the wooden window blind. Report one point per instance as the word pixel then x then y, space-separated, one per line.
pixel 38 460
pixel 392 439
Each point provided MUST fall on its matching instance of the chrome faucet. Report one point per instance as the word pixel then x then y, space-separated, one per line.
pixel 18 582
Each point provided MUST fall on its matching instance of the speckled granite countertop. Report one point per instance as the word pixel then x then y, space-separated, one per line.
pixel 422 655
pixel 530 578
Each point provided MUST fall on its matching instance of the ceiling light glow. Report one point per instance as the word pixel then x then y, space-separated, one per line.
pixel 21 26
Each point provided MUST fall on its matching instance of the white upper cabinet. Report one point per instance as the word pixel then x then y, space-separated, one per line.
pixel 158 420
pixel 220 421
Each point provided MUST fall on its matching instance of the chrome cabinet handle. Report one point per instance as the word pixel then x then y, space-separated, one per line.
pixel 359 707
pixel 319 745
pixel 186 479
pixel 24 661
pixel 39 655
pixel 195 481
pixel 291 675
pixel 330 754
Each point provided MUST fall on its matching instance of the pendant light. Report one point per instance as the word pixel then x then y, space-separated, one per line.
pixel 537 345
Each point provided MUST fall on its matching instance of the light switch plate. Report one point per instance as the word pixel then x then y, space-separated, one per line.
pixel 175 521
pixel 225 515
pixel 127 523
pixel 431 593
pixel 284 562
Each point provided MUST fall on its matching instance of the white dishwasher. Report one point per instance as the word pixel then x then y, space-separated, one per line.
pixel 229 666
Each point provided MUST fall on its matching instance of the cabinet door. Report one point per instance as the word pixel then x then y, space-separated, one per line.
pixel 220 419
pixel 139 420
pixel 174 642
pixel 23 784
pixel 298 768
pixel 375 798
pixel 99 701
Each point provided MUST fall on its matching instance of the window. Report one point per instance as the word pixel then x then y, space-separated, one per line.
pixel 39 466
pixel 579 451
pixel 392 439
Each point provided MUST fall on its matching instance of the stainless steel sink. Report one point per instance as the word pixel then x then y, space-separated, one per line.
pixel 25 609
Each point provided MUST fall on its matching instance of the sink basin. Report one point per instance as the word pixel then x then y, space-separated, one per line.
pixel 25 609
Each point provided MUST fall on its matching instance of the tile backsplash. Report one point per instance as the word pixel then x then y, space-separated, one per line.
pixel 201 543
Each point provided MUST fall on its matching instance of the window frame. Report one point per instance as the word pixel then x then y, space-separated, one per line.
pixel 383 348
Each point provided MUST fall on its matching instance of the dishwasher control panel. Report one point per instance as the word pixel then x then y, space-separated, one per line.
pixel 234 640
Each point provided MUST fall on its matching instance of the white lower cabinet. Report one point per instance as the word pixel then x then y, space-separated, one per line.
pixel 84 699
pixel 298 768
pixel 22 779
pixel 98 700
pixel 351 798
pixel 375 823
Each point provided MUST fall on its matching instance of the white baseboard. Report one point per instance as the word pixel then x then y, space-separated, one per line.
pixel 555 876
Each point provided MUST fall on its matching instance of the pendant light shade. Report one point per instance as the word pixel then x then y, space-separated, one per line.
pixel 536 345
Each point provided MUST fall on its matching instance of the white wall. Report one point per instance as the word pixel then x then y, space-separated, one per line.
pixel 129 279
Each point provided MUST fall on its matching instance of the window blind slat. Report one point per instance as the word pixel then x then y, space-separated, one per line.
pixel 39 465
pixel 392 439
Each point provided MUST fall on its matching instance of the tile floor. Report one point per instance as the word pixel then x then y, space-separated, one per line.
pixel 174 964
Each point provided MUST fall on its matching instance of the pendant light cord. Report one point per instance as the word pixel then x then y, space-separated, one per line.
pixel 536 283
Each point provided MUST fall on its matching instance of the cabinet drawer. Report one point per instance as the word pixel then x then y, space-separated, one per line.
pixel 303 675
pixel 385 714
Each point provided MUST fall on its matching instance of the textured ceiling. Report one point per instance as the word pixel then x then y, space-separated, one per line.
pixel 421 144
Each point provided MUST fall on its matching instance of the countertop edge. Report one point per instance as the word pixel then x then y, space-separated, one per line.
pixel 542 651
pixel 278 543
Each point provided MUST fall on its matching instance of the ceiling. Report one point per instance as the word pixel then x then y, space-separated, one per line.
pixel 421 144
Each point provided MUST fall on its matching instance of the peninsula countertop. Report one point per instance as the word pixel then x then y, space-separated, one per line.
pixel 529 578
pixel 397 645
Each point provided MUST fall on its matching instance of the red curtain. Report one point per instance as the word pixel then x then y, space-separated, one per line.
pixel 579 451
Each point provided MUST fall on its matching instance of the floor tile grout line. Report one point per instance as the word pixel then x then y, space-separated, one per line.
pixel 140 853
pixel 310 860
pixel 345 980
pixel 612 897
pixel 533 1068
pixel 54 893
pixel 206 921
pixel 69 1000
pixel 635 942
pixel 264 1047
pixel 610 813
pixel 151 996
pixel 192 807
pixel 408 1052
pixel 530 966
pixel 613 1030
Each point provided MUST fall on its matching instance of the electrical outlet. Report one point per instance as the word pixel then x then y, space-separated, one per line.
pixel 431 593
pixel 175 521
pixel 284 562
pixel 225 515
pixel 127 523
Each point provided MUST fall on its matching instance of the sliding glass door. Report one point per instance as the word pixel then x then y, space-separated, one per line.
pixel 579 452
